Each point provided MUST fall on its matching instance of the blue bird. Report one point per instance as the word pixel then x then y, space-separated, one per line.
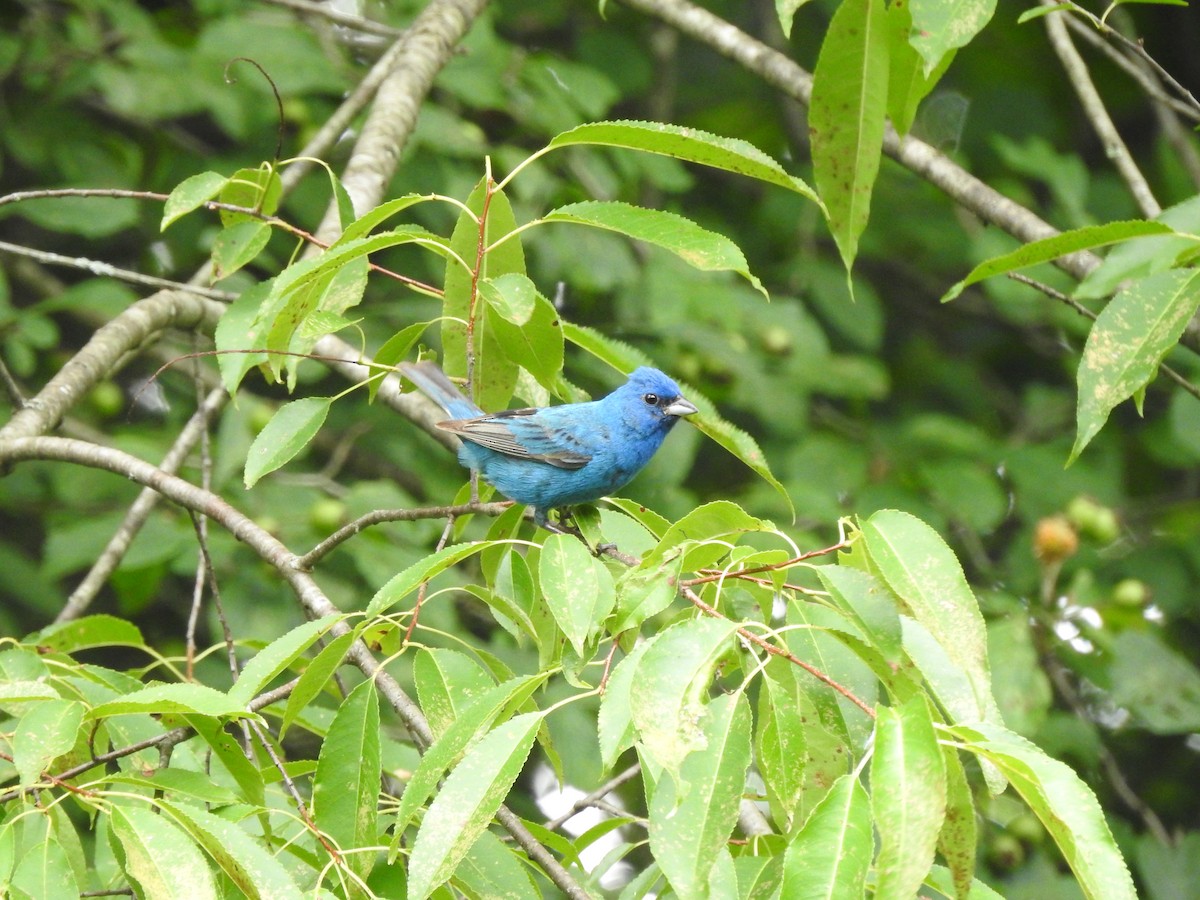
pixel 559 456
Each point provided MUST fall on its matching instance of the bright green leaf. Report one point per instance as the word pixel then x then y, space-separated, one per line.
pixel 288 432
pixel 163 861
pixel 189 194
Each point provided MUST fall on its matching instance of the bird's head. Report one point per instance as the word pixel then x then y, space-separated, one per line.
pixel 651 398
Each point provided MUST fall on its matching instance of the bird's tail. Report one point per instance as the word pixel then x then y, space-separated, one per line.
pixel 434 384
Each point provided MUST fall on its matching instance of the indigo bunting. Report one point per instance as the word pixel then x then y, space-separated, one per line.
pixel 558 456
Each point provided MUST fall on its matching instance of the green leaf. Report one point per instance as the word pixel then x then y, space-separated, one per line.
pixel 912 559
pixel 242 329
pixel 276 657
pixel 526 325
pixel 411 578
pixel 42 872
pixel 1064 804
pixel 640 596
pixel 256 873
pixel 713 523
pixel 615 722
pixel 162 860
pixel 829 857
pixel 1128 340
pixel 1052 248
pixel 781 745
pixel 578 589
pixel 786 11
pixel 692 817
pixel 88 632
pixel 230 754
pixel 189 194
pixel 908 82
pixel 467 801
pixel 495 373
pixel 957 841
pixel 346 783
pixel 314 679
pixel 469 727
pixel 940 26
pixel 908 796
pixel 238 245
pixel 1134 259
pixel 368 221
pixel 705 250
pixel 846 117
pixel 43 734
pixel 184 699
pixel 289 431
pixel 669 689
pixel 395 349
pixel 689 145
pixel 447 681
pixel 258 189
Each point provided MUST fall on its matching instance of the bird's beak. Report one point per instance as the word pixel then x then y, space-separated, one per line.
pixel 681 407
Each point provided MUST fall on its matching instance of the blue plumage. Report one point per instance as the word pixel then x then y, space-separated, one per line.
pixel 560 455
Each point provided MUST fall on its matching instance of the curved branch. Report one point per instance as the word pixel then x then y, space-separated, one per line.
pixel 106 352
pixel 936 168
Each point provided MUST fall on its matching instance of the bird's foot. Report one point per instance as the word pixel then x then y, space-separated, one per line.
pixel 566 525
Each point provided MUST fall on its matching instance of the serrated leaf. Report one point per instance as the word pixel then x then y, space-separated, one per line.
pixel 411 578
pixel 276 657
pixel 289 431
pixel 164 862
pixel 714 521
pixel 1134 259
pixel 42 872
pixel 1052 248
pixel 1066 806
pixel 184 699
pixel 693 815
pixel 447 681
pixel 346 782
pixel 314 678
pixel 578 589
pixel 846 117
pixel 913 560
pixel 689 145
pixel 88 632
pixel 959 835
pixel 471 725
pixel 251 867
pixel 189 194
pixel 45 732
pixel 467 801
pixel 668 692
pixel 495 375
pixel 615 721
pixel 829 857
pixel 705 250
pixel 1128 340
pixel 370 220
pixel 908 797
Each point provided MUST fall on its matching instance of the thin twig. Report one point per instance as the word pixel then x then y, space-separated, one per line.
pixel 599 793
pixel 1093 106
pixel 326 11
pixel 105 270
pixel 379 516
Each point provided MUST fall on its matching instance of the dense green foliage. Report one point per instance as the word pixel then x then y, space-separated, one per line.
pixel 991 673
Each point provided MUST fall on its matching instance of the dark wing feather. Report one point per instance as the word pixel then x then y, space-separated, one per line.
pixel 496 434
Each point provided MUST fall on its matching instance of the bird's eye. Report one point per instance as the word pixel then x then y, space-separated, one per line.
pixel 651 399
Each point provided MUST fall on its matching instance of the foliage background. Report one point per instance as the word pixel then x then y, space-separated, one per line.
pixel 961 414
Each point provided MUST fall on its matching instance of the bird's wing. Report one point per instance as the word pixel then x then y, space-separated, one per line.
pixel 521 433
